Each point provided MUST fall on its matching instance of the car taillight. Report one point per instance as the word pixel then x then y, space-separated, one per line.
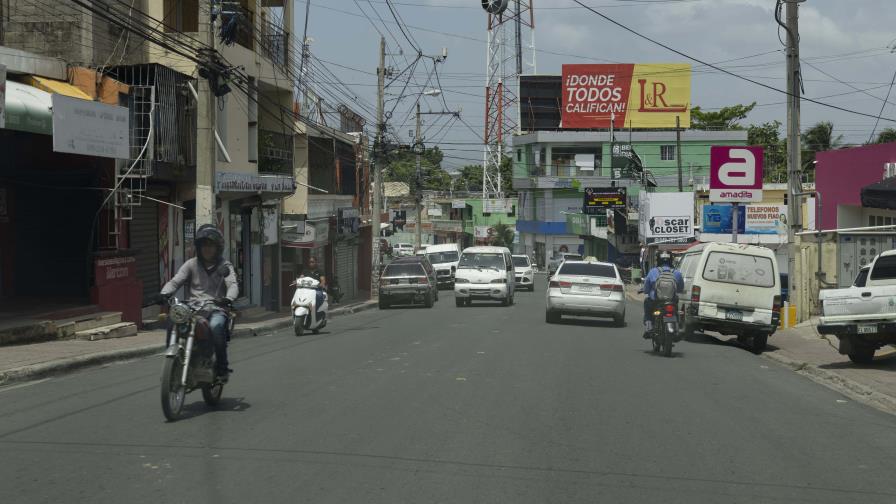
pixel 695 294
pixel 423 280
pixel 611 287
pixel 776 304
pixel 557 284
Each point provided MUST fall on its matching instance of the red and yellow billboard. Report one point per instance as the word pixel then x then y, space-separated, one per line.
pixel 633 95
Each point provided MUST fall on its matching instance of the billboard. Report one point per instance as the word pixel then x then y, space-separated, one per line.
pixel 766 219
pixel 598 199
pixel 631 95
pixel 717 219
pixel 666 216
pixel 735 174
pixel 90 128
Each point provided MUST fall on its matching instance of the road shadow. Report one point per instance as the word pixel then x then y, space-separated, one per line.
pixel 675 354
pixel 726 341
pixel 226 405
pixel 588 322
pixel 882 363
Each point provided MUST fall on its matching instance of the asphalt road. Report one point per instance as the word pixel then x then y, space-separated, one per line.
pixel 481 404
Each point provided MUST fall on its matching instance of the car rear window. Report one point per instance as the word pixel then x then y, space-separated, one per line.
pixel 884 268
pixel 442 257
pixel 572 257
pixel 741 269
pixel 587 269
pixel 521 262
pixel 403 270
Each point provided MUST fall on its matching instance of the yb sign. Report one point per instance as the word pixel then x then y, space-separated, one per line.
pixel 735 174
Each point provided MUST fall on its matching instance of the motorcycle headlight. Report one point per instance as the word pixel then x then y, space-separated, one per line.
pixel 179 314
pixel 461 280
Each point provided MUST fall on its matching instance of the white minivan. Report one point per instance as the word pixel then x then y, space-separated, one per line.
pixel 484 273
pixel 734 290
pixel 444 258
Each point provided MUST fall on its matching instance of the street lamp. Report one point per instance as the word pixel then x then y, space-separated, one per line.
pixel 432 92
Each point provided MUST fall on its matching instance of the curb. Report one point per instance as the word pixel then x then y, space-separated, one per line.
pixel 38 371
pixel 834 381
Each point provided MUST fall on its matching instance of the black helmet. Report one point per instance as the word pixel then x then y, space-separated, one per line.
pixel 209 232
pixel 663 258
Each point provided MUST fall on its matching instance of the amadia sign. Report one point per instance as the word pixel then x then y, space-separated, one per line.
pixel 666 215
pixel 632 95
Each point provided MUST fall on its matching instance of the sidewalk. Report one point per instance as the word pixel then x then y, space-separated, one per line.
pixel 30 362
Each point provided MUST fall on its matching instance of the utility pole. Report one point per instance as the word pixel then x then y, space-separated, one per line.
pixel 418 179
pixel 206 151
pixel 678 151
pixel 793 141
pixel 377 172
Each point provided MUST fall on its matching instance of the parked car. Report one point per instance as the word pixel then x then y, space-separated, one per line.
pixel 863 316
pixel 406 282
pixel 585 288
pixel 734 290
pixel 558 259
pixel 427 266
pixel 444 258
pixel 484 273
pixel 402 249
pixel 524 272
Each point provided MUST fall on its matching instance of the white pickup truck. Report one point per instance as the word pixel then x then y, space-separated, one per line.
pixel 863 316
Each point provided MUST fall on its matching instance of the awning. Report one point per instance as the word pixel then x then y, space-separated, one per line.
pixel 55 86
pixel 28 109
pixel 880 194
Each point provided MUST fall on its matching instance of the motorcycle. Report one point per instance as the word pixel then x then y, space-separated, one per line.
pixel 306 315
pixel 665 327
pixel 190 358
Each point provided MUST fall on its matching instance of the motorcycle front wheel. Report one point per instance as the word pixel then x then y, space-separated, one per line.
pixel 173 393
pixel 299 325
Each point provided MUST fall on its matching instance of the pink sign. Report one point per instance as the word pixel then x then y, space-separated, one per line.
pixel 735 174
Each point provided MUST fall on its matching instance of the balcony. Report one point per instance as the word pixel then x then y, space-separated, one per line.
pixel 274 43
pixel 275 152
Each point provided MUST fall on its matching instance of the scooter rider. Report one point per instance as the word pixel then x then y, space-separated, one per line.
pixel 663 265
pixel 211 278
pixel 314 272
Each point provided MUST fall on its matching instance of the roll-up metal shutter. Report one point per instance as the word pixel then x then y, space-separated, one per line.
pixel 346 264
pixel 145 240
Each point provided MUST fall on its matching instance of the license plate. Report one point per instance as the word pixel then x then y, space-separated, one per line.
pixel 867 329
pixel 584 288
pixel 734 315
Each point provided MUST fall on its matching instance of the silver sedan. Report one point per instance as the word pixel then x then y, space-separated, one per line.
pixel 586 288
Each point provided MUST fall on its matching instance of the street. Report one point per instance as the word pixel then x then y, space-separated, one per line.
pixel 481 404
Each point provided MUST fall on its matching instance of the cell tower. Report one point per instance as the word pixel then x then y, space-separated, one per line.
pixel 510 53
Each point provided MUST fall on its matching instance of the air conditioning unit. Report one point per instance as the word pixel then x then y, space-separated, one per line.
pixel 889 170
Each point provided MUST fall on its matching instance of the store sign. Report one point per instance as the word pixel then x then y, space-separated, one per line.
pixel 459 203
pixel 482 231
pixel 624 161
pixel 626 95
pixel 717 219
pixel 735 174
pixel 598 199
pixel 247 182
pixel 502 206
pixel 90 128
pixel 666 215
pixel 348 220
pixel 2 96
pixel 766 219
pixel 434 211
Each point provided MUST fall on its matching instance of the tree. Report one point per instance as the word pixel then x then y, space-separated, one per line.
pixel 886 136
pixel 502 235
pixel 402 167
pixel 724 118
pixel 470 178
pixel 768 136
pixel 819 137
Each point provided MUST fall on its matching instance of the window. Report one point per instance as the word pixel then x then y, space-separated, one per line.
pixel 519 155
pixel 575 161
pixel 403 270
pixel 861 278
pixel 588 269
pixel 884 268
pixel 888 221
pixel 181 15
pixel 871 220
pixel 442 257
pixel 521 261
pixel 742 269
pixel 667 152
pixel 482 260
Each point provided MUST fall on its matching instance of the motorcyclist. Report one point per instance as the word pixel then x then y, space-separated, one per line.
pixel 314 272
pixel 213 287
pixel 663 264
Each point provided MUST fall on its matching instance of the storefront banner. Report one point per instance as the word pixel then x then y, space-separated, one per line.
pixel 90 128
pixel 766 219
pixel 434 211
pixel 458 203
pixel 717 219
pixel 628 95
pixel 502 206
pixel 247 182
pixel 666 215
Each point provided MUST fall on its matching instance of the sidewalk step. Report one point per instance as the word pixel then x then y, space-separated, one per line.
pixel 118 330
pixel 67 328
pixel 27 331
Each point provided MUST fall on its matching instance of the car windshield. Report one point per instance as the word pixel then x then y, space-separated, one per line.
pixel 521 262
pixel 442 257
pixel 741 269
pixel 588 269
pixel 403 270
pixel 482 260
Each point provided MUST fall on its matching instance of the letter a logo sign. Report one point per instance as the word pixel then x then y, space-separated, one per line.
pixel 735 174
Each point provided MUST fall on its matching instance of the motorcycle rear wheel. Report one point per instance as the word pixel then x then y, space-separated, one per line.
pixel 173 393
pixel 211 394
pixel 667 344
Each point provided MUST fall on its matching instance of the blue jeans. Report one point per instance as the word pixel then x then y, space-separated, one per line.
pixel 218 323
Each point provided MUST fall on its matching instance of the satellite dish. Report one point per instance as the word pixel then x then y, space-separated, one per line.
pixel 495 6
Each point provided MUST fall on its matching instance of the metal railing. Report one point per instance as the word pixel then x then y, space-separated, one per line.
pixel 274 43
pixel 275 152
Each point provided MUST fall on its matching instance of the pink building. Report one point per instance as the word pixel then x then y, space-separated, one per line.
pixel 840 176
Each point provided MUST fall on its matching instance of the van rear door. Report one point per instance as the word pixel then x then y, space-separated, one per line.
pixel 742 286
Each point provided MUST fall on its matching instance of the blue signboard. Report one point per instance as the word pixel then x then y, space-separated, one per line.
pixel 717 219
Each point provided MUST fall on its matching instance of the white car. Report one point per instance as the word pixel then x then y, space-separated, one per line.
pixel 586 288
pixel 444 258
pixel 402 249
pixel 525 273
pixel 484 273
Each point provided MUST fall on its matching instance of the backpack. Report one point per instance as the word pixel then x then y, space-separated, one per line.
pixel 666 287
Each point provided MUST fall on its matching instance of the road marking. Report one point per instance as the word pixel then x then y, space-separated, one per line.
pixel 460 378
pixel 23 385
pixel 481 353
pixel 841 401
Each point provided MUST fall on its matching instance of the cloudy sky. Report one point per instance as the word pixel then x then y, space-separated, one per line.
pixel 846 46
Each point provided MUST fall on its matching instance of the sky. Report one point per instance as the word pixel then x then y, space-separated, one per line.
pixel 844 45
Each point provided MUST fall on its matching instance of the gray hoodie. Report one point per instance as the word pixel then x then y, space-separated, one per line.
pixel 204 286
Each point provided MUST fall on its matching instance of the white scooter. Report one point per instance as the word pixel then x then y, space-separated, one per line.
pixel 307 316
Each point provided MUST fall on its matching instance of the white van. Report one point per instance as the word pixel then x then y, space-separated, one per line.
pixel 733 289
pixel 444 258
pixel 484 273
